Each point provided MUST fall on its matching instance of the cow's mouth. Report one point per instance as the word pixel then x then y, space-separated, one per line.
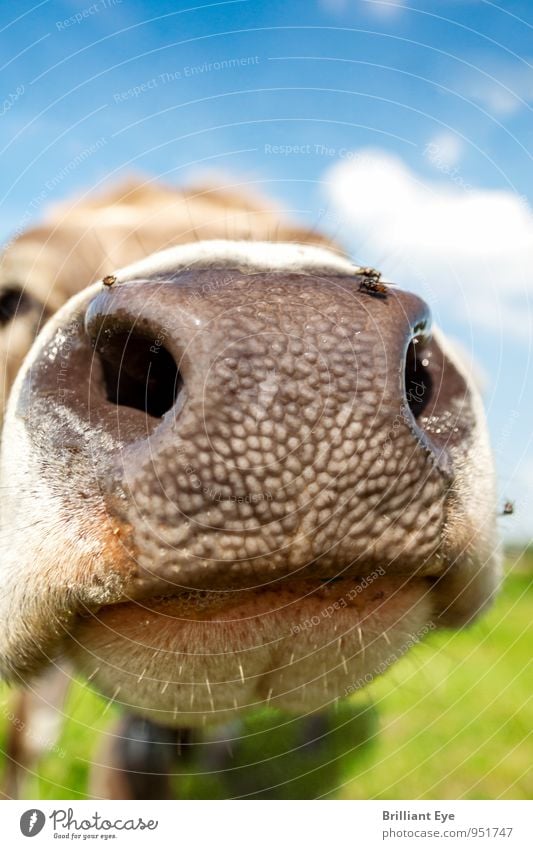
pixel 184 658
pixel 204 604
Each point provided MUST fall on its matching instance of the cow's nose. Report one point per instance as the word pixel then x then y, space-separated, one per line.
pixel 250 409
pixel 242 426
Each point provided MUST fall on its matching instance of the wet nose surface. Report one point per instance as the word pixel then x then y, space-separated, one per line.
pixel 267 424
pixel 232 426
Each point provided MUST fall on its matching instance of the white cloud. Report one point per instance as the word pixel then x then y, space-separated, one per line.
pixel 444 150
pixel 508 89
pixel 465 249
pixel 386 9
pixel 496 97
pixel 380 8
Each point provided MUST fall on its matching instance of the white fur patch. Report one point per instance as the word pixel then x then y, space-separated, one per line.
pixel 247 256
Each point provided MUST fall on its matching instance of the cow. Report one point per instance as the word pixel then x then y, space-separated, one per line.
pixel 237 469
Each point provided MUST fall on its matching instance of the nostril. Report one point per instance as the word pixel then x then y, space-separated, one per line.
pixel 137 373
pixel 417 377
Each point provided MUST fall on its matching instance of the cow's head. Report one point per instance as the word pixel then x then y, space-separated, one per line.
pixel 240 473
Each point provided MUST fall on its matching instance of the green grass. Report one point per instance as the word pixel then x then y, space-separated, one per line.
pixel 454 721
pixel 456 715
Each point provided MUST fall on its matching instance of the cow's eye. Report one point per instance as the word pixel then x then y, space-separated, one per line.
pixel 13 302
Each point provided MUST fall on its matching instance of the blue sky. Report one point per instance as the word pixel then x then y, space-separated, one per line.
pixel 403 128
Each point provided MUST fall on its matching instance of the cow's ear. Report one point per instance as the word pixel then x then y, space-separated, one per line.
pixel 13 302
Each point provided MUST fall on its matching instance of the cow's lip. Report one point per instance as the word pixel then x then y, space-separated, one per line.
pixel 255 647
pixel 145 589
pixel 195 604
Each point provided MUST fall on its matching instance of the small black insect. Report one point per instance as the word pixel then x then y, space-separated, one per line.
pixel 371 282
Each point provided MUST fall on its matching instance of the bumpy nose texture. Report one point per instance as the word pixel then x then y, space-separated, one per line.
pixel 284 437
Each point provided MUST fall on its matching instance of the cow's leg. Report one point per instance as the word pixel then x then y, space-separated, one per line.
pixel 139 759
pixel 35 718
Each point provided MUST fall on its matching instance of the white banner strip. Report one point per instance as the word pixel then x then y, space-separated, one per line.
pixel 269 825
